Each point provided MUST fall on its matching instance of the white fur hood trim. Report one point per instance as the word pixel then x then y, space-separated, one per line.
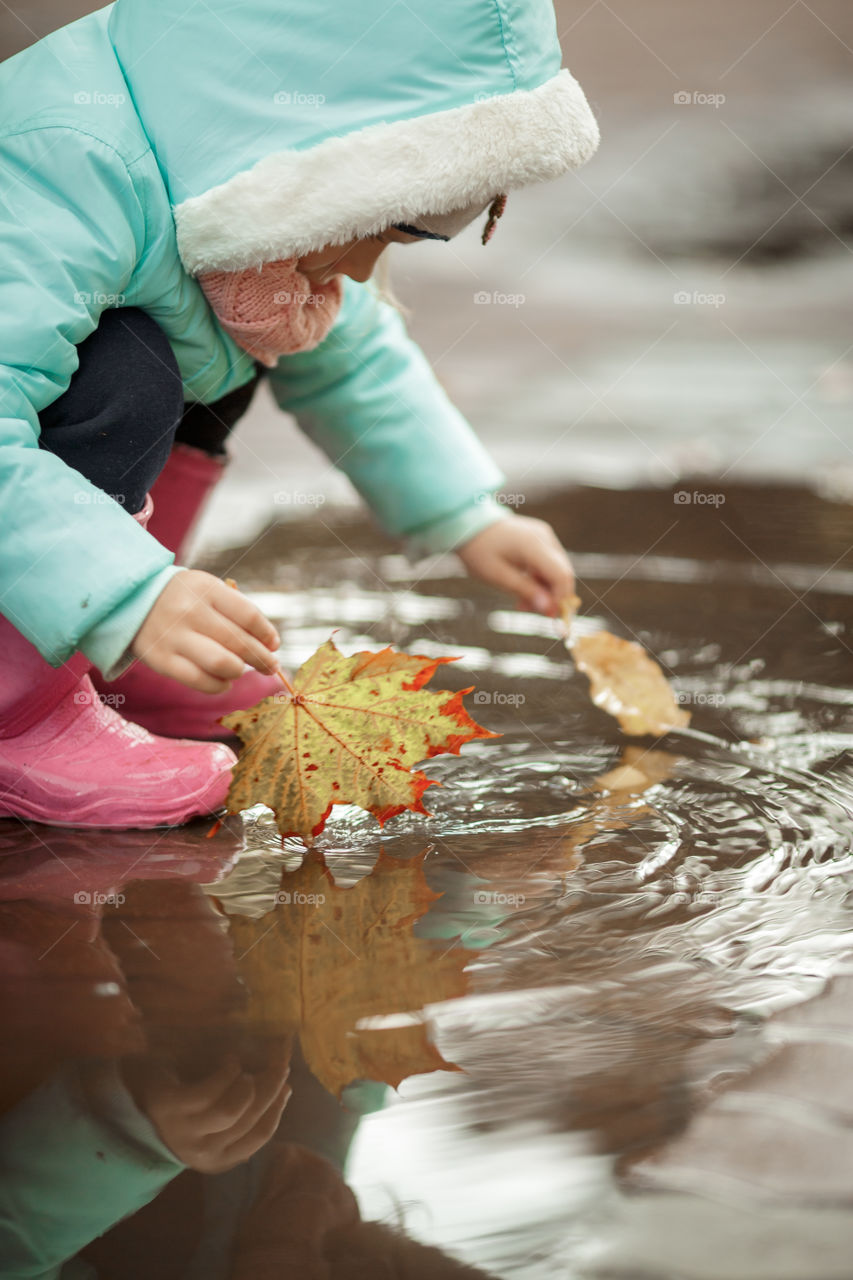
pixel 295 202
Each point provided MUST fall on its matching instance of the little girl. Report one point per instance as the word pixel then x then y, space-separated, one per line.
pixel 194 195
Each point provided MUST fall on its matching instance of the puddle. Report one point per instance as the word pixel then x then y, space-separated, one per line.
pixel 605 974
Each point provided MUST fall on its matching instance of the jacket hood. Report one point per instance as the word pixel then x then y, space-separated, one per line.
pixel 282 126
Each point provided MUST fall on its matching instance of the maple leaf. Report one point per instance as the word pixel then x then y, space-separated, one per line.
pixel 347 731
pixel 624 680
pixel 332 958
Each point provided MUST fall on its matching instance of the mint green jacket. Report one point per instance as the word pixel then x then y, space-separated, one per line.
pixel 154 140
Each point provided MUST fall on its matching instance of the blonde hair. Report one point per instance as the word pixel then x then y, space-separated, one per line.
pixel 383 289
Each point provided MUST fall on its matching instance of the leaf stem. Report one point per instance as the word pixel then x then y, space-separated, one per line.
pixel 284 680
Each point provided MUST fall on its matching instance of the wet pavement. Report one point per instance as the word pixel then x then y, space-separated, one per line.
pixel 609 978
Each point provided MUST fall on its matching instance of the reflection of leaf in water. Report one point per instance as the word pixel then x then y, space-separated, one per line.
pixel 329 958
pixel 615 807
pixel 636 772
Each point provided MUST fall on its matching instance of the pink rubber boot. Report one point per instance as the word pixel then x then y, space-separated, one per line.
pixel 68 759
pixel 161 705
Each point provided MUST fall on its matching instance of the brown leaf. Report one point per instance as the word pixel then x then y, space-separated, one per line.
pixel 628 684
pixel 624 680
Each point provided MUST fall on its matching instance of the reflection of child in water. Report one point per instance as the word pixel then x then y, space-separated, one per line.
pixel 78 1156
pixel 161 1164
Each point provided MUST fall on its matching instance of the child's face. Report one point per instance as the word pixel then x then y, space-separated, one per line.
pixel 356 258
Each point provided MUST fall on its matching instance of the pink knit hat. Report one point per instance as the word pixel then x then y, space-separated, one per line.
pixel 273 311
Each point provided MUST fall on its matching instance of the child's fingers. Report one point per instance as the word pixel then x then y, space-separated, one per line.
pixel 215 659
pixel 238 641
pixel 266 1087
pixel 191 674
pixel 223 1114
pixel 261 1130
pixel 552 565
pixel 249 618
pixel 519 582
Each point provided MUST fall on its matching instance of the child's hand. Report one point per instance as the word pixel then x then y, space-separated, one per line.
pixel 522 555
pixel 215 1123
pixel 200 632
